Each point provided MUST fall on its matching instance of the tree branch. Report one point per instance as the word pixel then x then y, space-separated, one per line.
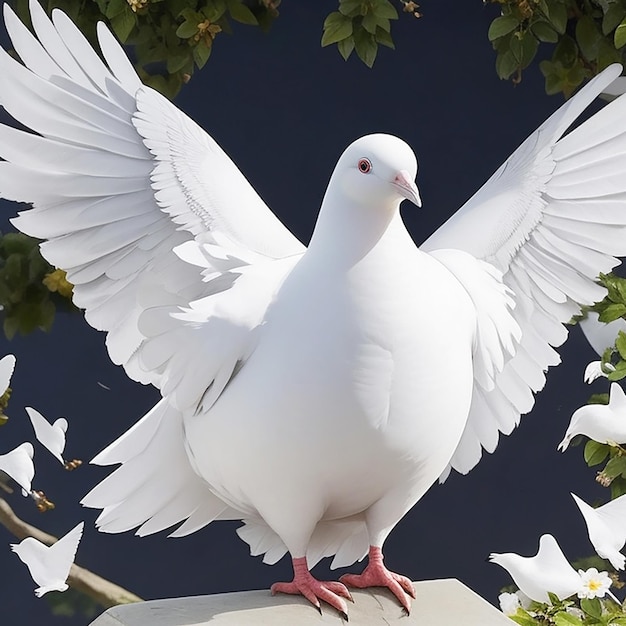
pixel 103 591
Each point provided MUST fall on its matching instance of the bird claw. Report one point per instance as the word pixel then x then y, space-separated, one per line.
pixel 377 575
pixel 331 592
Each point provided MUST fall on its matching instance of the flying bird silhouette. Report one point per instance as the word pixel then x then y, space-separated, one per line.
pixel 49 566
pixel 605 423
pixel 301 387
pixel 547 571
pixel 606 526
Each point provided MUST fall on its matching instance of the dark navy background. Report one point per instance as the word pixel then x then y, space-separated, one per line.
pixel 284 109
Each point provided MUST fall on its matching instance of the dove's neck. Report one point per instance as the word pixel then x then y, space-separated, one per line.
pixel 347 230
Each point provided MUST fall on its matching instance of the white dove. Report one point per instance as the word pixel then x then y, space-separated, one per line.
pixel 50 566
pixel 605 423
pixel 301 387
pixel 547 571
pixel 606 526
pixel 18 464
pixel 50 436
pixel 594 370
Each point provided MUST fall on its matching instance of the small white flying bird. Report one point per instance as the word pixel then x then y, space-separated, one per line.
pixel 301 387
pixel 606 526
pixel 50 566
pixel 18 464
pixel 594 371
pixel 50 436
pixel 547 571
pixel 604 423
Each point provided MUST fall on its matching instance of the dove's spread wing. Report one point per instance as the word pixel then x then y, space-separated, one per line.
pixel 131 197
pixel 18 464
pixel 550 220
pixel 613 515
pixel 50 438
pixel 118 178
pixel 7 365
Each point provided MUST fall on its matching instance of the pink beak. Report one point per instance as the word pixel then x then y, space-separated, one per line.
pixel 407 187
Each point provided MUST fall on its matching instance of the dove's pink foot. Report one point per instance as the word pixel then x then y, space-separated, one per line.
pixel 377 575
pixel 304 584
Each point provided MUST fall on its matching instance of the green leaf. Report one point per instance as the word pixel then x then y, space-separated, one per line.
pixel 370 23
pixel 524 48
pixel 566 619
pixel 187 30
pixel 502 26
pixel 523 620
pixel 123 24
pixel 365 46
pixel 618 488
pixel 592 607
pixel 115 7
pixel 506 65
pixel 557 14
pixel 588 37
pixel 619 38
pixel 350 8
pixel 612 312
pixel 544 32
pixel 595 452
pixel 346 46
pixel 613 16
pixel 620 343
pixel 384 9
pixel 336 28
pixel 201 53
pixel 241 13
pixel 616 467
pixel 384 38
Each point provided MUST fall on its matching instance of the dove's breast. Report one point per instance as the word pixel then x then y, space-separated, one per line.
pixel 351 379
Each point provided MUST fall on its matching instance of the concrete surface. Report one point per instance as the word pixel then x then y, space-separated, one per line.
pixel 437 603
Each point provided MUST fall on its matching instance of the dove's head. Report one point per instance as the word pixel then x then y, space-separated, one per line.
pixel 579 425
pixel 378 170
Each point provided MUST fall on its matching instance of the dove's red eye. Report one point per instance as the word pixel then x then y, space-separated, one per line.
pixel 364 166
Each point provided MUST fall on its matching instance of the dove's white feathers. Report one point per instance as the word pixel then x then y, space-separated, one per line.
pixel 599 335
pixel 556 220
pixel 606 526
pixel 49 566
pixel 547 571
pixel 7 365
pixel 50 436
pixel 18 464
pixel 204 293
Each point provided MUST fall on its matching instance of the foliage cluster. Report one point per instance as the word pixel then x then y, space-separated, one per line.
pixel 30 288
pixel 586 36
pixel 587 612
pixel 170 38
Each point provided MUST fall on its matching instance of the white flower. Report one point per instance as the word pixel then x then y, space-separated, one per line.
pixel 595 584
pixel 509 603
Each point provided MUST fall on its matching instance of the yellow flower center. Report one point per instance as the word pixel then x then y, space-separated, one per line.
pixel 594 585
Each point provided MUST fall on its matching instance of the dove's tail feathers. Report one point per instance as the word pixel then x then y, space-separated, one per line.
pixel 155 487
pixel 347 540
pixel 41 591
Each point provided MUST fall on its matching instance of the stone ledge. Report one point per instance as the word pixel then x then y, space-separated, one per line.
pixel 438 603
